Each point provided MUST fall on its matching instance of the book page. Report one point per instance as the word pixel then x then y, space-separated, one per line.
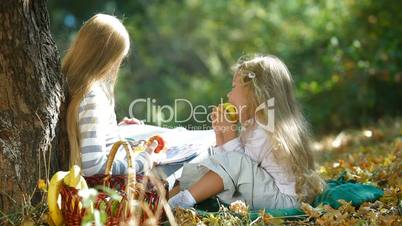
pixel 180 144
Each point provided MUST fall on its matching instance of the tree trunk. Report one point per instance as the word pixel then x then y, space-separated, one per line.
pixel 32 104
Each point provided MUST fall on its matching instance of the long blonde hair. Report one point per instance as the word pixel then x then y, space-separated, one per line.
pixel 268 77
pixel 94 56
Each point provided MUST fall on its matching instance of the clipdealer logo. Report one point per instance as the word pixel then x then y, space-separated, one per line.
pixel 270 106
pixel 161 114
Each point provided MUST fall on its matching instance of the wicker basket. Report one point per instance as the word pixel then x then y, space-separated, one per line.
pixel 144 189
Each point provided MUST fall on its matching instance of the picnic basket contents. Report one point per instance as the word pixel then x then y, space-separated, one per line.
pixel 140 196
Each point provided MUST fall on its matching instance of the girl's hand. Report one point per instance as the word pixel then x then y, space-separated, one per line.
pixel 130 121
pixel 218 132
pixel 224 129
pixel 214 117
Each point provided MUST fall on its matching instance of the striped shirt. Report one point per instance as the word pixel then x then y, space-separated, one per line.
pixel 99 131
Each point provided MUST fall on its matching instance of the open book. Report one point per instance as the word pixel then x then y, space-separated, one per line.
pixel 181 144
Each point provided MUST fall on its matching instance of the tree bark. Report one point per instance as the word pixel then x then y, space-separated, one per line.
pixel 33 142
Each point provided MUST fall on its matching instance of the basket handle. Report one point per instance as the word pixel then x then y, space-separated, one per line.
pixel 112 155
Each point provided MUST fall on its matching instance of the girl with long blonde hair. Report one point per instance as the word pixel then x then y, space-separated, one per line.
pixel 269 164
pixel 91 67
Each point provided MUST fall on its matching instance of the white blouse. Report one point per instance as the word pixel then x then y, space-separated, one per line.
pixel 256 143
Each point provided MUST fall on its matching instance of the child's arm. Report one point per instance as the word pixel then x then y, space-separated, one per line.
pixel 93 138
pixel 94 151
pixel 219 139
pixel 215 126
pixel 130 121
pixel 255 144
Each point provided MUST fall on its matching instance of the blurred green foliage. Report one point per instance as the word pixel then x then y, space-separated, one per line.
pixel 345 55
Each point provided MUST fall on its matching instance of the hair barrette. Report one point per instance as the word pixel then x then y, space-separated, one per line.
pixel 251 74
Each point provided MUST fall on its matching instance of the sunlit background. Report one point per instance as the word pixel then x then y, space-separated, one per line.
pixel 345 55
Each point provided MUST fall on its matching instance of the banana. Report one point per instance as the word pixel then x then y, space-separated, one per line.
pixel 82 184
pixel 73 177
pixel 53 196
pixel 75 180
pixel 50 220
pixel 231 111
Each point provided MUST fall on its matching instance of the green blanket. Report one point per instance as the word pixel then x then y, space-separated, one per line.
pixel 336 189
pixel 349 191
